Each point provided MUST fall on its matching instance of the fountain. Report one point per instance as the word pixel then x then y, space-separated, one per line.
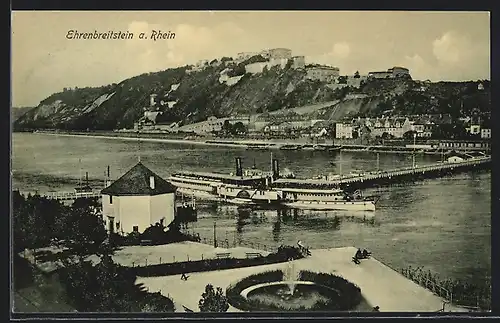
pixel 291 289
pixel 291 276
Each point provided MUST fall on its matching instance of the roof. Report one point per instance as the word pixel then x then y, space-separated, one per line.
pixel 218 176
pixel 136 182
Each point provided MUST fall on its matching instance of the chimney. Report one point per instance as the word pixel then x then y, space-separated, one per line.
pixel 152 182
pixel 276 169
pixel 239 169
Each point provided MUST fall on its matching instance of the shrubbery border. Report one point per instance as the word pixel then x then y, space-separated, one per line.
pixel 178 268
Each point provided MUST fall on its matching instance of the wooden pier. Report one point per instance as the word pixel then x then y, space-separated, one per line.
pixel 66 196
pixel 381 178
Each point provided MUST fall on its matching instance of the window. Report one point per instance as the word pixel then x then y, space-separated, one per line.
pixel 110 199
pixel 135 228
pixel 117 225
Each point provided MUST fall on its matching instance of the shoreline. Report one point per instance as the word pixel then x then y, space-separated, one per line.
pixel 243 143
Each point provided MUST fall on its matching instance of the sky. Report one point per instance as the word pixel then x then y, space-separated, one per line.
pixel 449 46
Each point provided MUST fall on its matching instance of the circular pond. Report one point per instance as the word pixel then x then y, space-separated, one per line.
pixel 294 296
pixel 268 291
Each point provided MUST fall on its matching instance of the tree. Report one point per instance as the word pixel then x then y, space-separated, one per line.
pixel 213 300
pixel 342 79
pixel 386 135
pixel 356 75
pixel 85 225
pixel 227 127
pixel 409 134
pixel 239 128
pixel 37 220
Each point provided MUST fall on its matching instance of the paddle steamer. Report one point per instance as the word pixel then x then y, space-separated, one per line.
pixel 272 188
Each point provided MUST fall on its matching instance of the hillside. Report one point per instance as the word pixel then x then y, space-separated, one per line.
pixel 191 95
pixel 16 112
pixel 198 95
pixel 406 97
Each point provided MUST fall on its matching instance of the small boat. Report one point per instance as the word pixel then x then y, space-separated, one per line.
pixel 333 148
pixel 320 147
pixel 257 147
pixel 291 147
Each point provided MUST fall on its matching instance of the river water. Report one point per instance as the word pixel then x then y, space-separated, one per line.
pixel 441 224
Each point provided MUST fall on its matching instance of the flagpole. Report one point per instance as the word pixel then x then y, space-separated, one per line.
pixel 271 161
pixel 80 173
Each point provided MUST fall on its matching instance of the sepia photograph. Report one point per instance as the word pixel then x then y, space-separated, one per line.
pixel 250 161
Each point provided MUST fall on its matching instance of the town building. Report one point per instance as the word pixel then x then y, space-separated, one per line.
pixel 136 200
pixel 278 128
pixel 473 125
pixel 395 127
pixel 343 130
pixel 423 126
pixel 322 73
pixel 294 120
pixel 464 144
pixel 474 129
pixel 213 124
pixel 321 128
pixel 485 133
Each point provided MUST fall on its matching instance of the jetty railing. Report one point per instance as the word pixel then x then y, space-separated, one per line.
pixel 64 195
pixel 412 170
pixel 451 291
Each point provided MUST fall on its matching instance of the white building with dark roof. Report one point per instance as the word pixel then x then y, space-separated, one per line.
pixel 136 200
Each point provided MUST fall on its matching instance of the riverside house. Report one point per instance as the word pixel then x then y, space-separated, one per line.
pixel 137 200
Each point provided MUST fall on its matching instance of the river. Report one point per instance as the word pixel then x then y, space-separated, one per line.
pixel 441 224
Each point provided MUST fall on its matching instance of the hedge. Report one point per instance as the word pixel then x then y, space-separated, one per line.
pixel 349 293
pixel 283 254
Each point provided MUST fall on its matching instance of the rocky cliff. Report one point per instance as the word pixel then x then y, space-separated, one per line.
pixel 17 112
pixel 190 94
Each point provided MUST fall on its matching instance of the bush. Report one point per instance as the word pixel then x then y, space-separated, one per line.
pixel 108 287
pixel 213 300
